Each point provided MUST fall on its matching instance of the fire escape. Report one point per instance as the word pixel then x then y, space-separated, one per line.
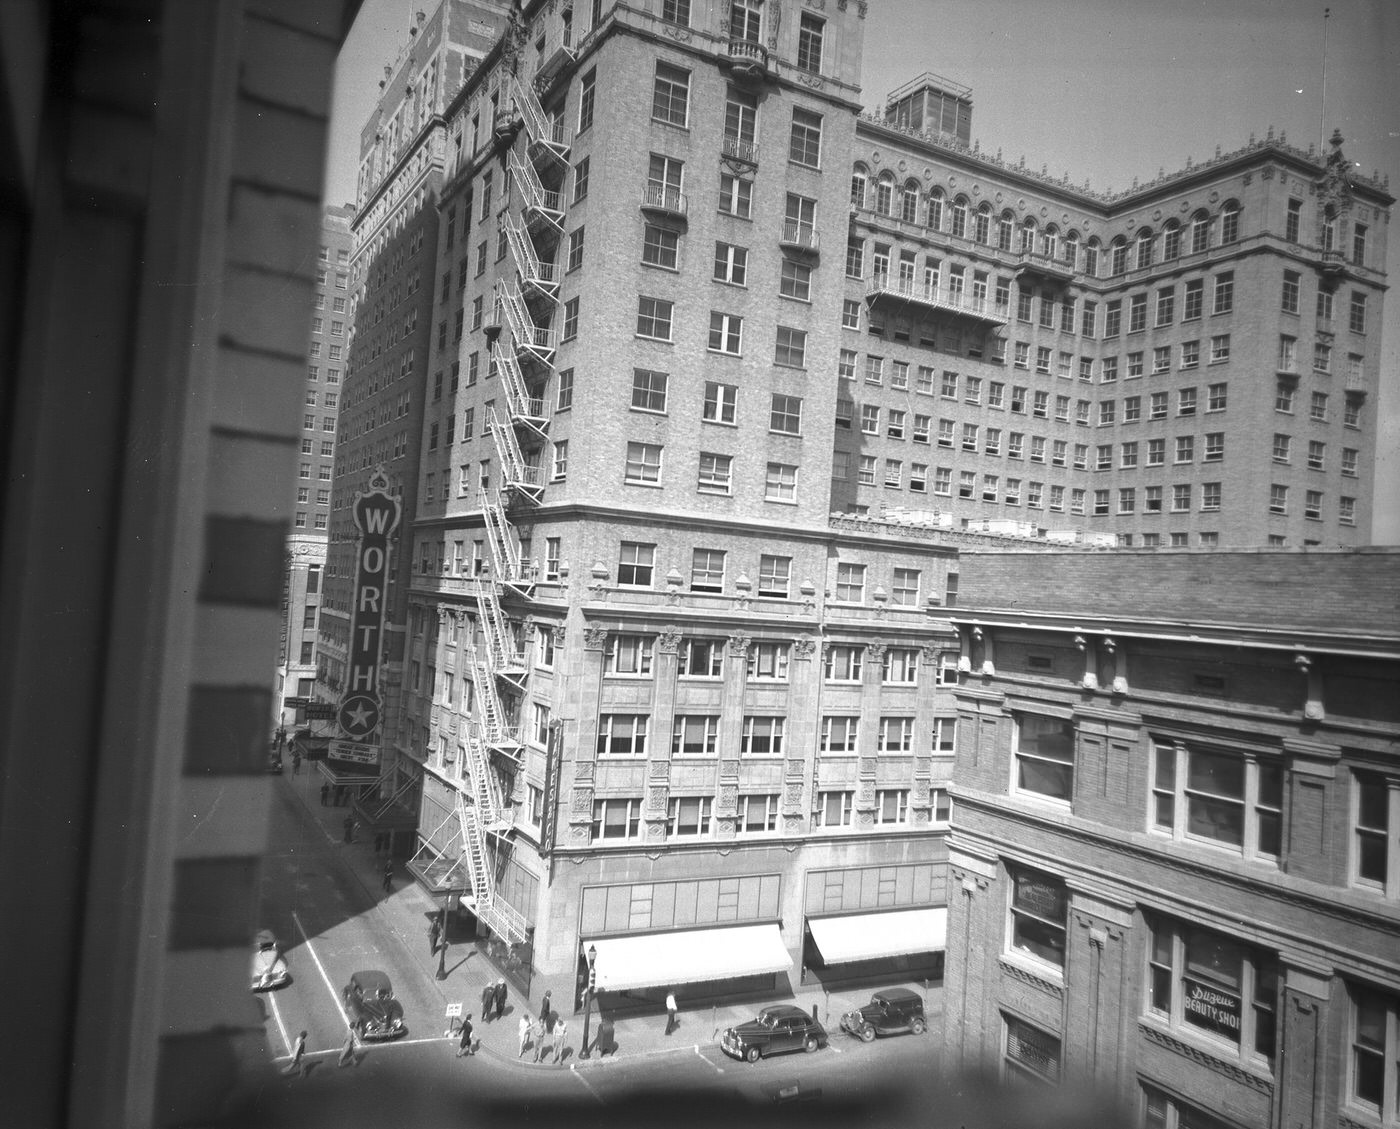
pixel 522 355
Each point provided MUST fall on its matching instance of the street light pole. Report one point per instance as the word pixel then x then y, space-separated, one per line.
pixel 442 940
pixel 588 1000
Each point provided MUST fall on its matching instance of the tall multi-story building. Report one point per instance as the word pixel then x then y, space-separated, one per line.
pixel 1193 361
pixel 720 376
pixel 306 544
pixel 1173 857
pixel 390 287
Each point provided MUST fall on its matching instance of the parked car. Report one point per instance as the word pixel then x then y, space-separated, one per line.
pixel 889 1012
pixel 775 1030
pixel 269 968
pixel 373 1010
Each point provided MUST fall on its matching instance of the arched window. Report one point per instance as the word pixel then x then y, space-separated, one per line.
pixel 935 211
pixel 1027 235
pixel 858 183
pixel 1229 222
pixel 1171 241
pixel 1006 226
pixel 1091 257
pixel 1071 248
pixel 1118 256
pixel 982 229
pixel 960 216
pixel 1200 232
pixel 1050 241
pixel 1144 248
pixel 884 195
pixel 1329 228
pixel 909 202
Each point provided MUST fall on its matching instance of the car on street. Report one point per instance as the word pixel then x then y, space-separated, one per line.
pixel 891 1011
pixel 775 1030
pixel 372 1008
pixel 269 968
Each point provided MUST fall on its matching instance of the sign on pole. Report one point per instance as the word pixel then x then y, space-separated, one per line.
pixel 376 515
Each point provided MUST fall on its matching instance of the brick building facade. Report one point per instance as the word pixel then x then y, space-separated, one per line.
pixel 1172 865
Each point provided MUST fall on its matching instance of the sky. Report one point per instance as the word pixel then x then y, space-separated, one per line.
pixel 1103 90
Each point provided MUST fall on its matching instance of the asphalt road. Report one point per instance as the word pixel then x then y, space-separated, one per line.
pixel 331 925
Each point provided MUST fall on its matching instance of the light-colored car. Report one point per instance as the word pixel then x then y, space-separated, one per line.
pixel 269 968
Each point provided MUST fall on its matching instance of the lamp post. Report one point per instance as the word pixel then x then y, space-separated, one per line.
pixel 588 998
pixel 442 940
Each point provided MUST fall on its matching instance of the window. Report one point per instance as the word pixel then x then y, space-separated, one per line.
pixel 1317 451
pixel 587 92
pixel 1358 244
pixel 575 249
pixel 1219 348
pixel 850 583
pixel 695 736
pixel 843 662
pixel 1357 316
pixel 1038 917
pixel 643 463
pixel 676 12
pixel 1031 1054
pixel 721 402
pixel 1283 397
pixel 762 736
pixel 616 818
pixel 1312 504
pixel 560 469
pixel 1293 221
pixel 1317 407
pixel 731 264
pixel 735 195
pixel 758 813
pixel 1137 313
pixel 622 735
pixel 1224 300
pixel 581 179
pixel 1213 984
pixel 790 348
pixel 892 805
pixel 1166 306
pixel 834 809
pixel 1113 318
pixel 1043 753
pixel 840 734
pixel 629 654
pixel 768 661
pixel 780 482
pixel 1351 410
pixel 804 147
pixel 896 735
pixel 648 390
pixel 670 99
pixel 905 587
pixel 715 473
pixel 726 333
pixel 707 570
pixel 660 246
pixel 689 815
pixel 774 576
pixel 901 666
pixel 654 318
pixel 786 415
pixel 1225 797
pixel 796 282
pixel 1291 280
pixel 1278 499
pixel 1195 299
pixel 870 419
pixel 564 396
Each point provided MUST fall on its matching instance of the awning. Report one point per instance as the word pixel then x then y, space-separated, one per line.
pixel 340 772
pixel 868 936
pixel 688 957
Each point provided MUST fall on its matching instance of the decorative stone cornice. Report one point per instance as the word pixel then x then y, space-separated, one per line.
pixel 1211 1062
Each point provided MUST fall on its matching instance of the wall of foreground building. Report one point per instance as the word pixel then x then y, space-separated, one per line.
pixel 1173 864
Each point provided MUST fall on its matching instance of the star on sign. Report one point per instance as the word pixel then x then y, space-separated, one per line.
pixel 359 716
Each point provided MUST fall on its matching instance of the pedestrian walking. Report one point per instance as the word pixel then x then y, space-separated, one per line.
pixel 500 998
pixel 388 876
pixel 434 935
pixel 488 1002
pixel 559 1026
pixel 545 1012
pixel 525 1028
pixel 325 791
pixel 347 1052
pixel 464 1044
pixel 671 1021
pixel 298 1064
pixel 296 764
pixel 537 1037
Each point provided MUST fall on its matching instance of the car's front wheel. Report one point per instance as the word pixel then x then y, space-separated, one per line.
pixel 811 1044
pixel 917 1027
pixel 751 1054
pixel 867 1034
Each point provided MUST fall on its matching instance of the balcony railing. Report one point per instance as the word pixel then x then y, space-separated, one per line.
pixel 1045 266
pixel 799 237
pixel 747 58
pixel 667 201
pixel 745 152
pixel 934 298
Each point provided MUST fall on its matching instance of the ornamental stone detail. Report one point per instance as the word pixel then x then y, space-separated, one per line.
pixel 1036 982
pixel 1209 1061
pixel 594 638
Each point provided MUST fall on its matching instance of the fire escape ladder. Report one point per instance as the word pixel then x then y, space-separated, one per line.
pixel 538 275
pixel 541 132
pixel 518 473
pixel 525 409
pixel 503 656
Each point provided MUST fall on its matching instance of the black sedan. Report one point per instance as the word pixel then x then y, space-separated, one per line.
pixel 775 1030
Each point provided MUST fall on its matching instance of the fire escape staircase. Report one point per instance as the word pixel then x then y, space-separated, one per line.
pixel 537 277
pixel 510 570
pixel 530 340
pixel 519 475
pixel 498 915
pixel 504 658
pixel 496 729
pixel 526 410
pixel 542 208
pixel 543 135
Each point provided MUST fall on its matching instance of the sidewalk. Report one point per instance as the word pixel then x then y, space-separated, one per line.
pixel 406 911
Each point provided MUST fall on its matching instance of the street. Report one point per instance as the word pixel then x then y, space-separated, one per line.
pixel 322 898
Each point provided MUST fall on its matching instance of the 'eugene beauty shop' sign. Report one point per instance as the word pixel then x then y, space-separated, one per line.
pixel 376 516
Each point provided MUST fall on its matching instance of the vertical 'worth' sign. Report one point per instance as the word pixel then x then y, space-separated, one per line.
pixel 376 515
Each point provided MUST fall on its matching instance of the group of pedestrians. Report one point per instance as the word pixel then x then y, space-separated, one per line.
pixel 544 1033
pixel 493 1001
